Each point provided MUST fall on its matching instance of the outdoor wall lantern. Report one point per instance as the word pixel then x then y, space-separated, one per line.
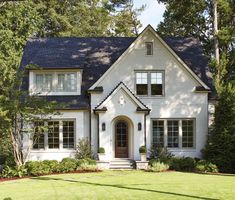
pixel 103 126
pixel 139 126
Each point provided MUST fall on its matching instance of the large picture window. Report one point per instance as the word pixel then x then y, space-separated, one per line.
pixel 149 83
pixel 59 134
pixel 173 133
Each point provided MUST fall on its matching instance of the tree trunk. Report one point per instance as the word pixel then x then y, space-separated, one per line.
pixel 215 26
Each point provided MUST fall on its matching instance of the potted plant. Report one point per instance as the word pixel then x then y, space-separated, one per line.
pixel 143 151
pixel 101 154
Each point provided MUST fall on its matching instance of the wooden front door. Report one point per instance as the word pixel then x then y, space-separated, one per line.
pixel 121 139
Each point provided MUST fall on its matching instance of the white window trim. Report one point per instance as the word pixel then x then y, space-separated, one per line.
pixel 146 50
pixel 46 146
pixel 180 133
pixel 32 82
pixel 149 95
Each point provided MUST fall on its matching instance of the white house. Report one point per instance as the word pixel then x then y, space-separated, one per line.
pixel 122 93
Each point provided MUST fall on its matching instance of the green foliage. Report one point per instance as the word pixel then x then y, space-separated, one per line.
pixel 87 161
pixel 84 149
pixel 9 172
pixel 143 149
pixel 160 154
pixel 204 166
pixel 156 166
pixel 101 150
pixel 220 148
pixel 185 164
pixel 68 165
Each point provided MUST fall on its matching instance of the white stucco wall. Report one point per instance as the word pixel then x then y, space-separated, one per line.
pixel 81 130
pixel 179 101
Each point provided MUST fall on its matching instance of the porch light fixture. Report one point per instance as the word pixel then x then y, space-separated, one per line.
pixel 103 126
pixel 139 126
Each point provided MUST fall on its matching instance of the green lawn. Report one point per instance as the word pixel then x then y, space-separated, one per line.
pixel 121 185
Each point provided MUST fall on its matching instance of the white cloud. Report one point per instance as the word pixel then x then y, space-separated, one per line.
pixel 152 14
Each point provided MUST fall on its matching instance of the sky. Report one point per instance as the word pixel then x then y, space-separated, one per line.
pixel 152 14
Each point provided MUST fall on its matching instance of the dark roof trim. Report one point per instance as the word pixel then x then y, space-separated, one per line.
pixel 104 109
pixel 99 89
pixel 127 89
pixel 138 109
pixel 201 89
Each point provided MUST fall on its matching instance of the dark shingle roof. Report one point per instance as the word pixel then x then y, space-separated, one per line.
pixel 96 55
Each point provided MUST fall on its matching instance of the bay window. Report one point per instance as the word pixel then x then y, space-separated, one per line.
pixel 173 133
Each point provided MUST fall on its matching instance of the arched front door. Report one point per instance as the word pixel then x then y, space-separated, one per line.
pixel 121 139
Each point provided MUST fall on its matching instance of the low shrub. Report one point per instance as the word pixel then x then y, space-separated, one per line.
pixel 101 150
pixel 37 168
pixel 87 167
pixel 185 164
pixel 142 149
pixel 9 172
pixel 160 154
pixel 87 161
pixel 68 165
pixel 204 166
pixel 158 167
pixel 84 149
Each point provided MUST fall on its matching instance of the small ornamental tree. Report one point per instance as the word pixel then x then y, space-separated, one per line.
pixel 18 112
pixel 220 148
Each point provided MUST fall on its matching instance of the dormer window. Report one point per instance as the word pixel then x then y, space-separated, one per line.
pixel 149 48
pixel 55 83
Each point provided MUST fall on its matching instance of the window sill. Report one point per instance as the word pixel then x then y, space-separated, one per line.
pixel 182 149
pixel 55 93
pixel 151 97
pixel 53 151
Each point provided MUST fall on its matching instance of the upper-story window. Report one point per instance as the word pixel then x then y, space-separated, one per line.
pixel 67 82
pixel 55 83
pixel 149 48
pixel 149 83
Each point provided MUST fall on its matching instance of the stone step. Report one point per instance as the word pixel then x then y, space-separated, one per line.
pixel 121 164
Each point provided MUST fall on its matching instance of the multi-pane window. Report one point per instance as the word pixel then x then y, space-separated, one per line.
pixel 142 83
pixel 149 83
pixel 68 134
pixel 53 135
pixel 44 82
pixel 149 48
pixel 173 133
pixel 56 82
pixel 38 137
pixel 67 82
pixel 187 133
pixel 158 133
pixel 156 83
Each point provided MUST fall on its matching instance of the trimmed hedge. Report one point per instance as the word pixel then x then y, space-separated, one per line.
pixel 37 168
pixel 185 164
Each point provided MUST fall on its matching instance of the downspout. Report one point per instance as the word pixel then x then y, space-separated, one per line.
pixel 98 131
pixel 145 137
pixel 90 120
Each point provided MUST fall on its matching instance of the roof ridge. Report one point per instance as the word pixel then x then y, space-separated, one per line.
pixel 121 82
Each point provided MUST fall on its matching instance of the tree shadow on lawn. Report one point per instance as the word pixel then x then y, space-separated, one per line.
pixel 123 187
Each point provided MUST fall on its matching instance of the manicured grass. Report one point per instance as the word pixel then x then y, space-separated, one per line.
pixel 121 185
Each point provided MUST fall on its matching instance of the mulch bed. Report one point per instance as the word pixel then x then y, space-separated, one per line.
pixel 56 173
